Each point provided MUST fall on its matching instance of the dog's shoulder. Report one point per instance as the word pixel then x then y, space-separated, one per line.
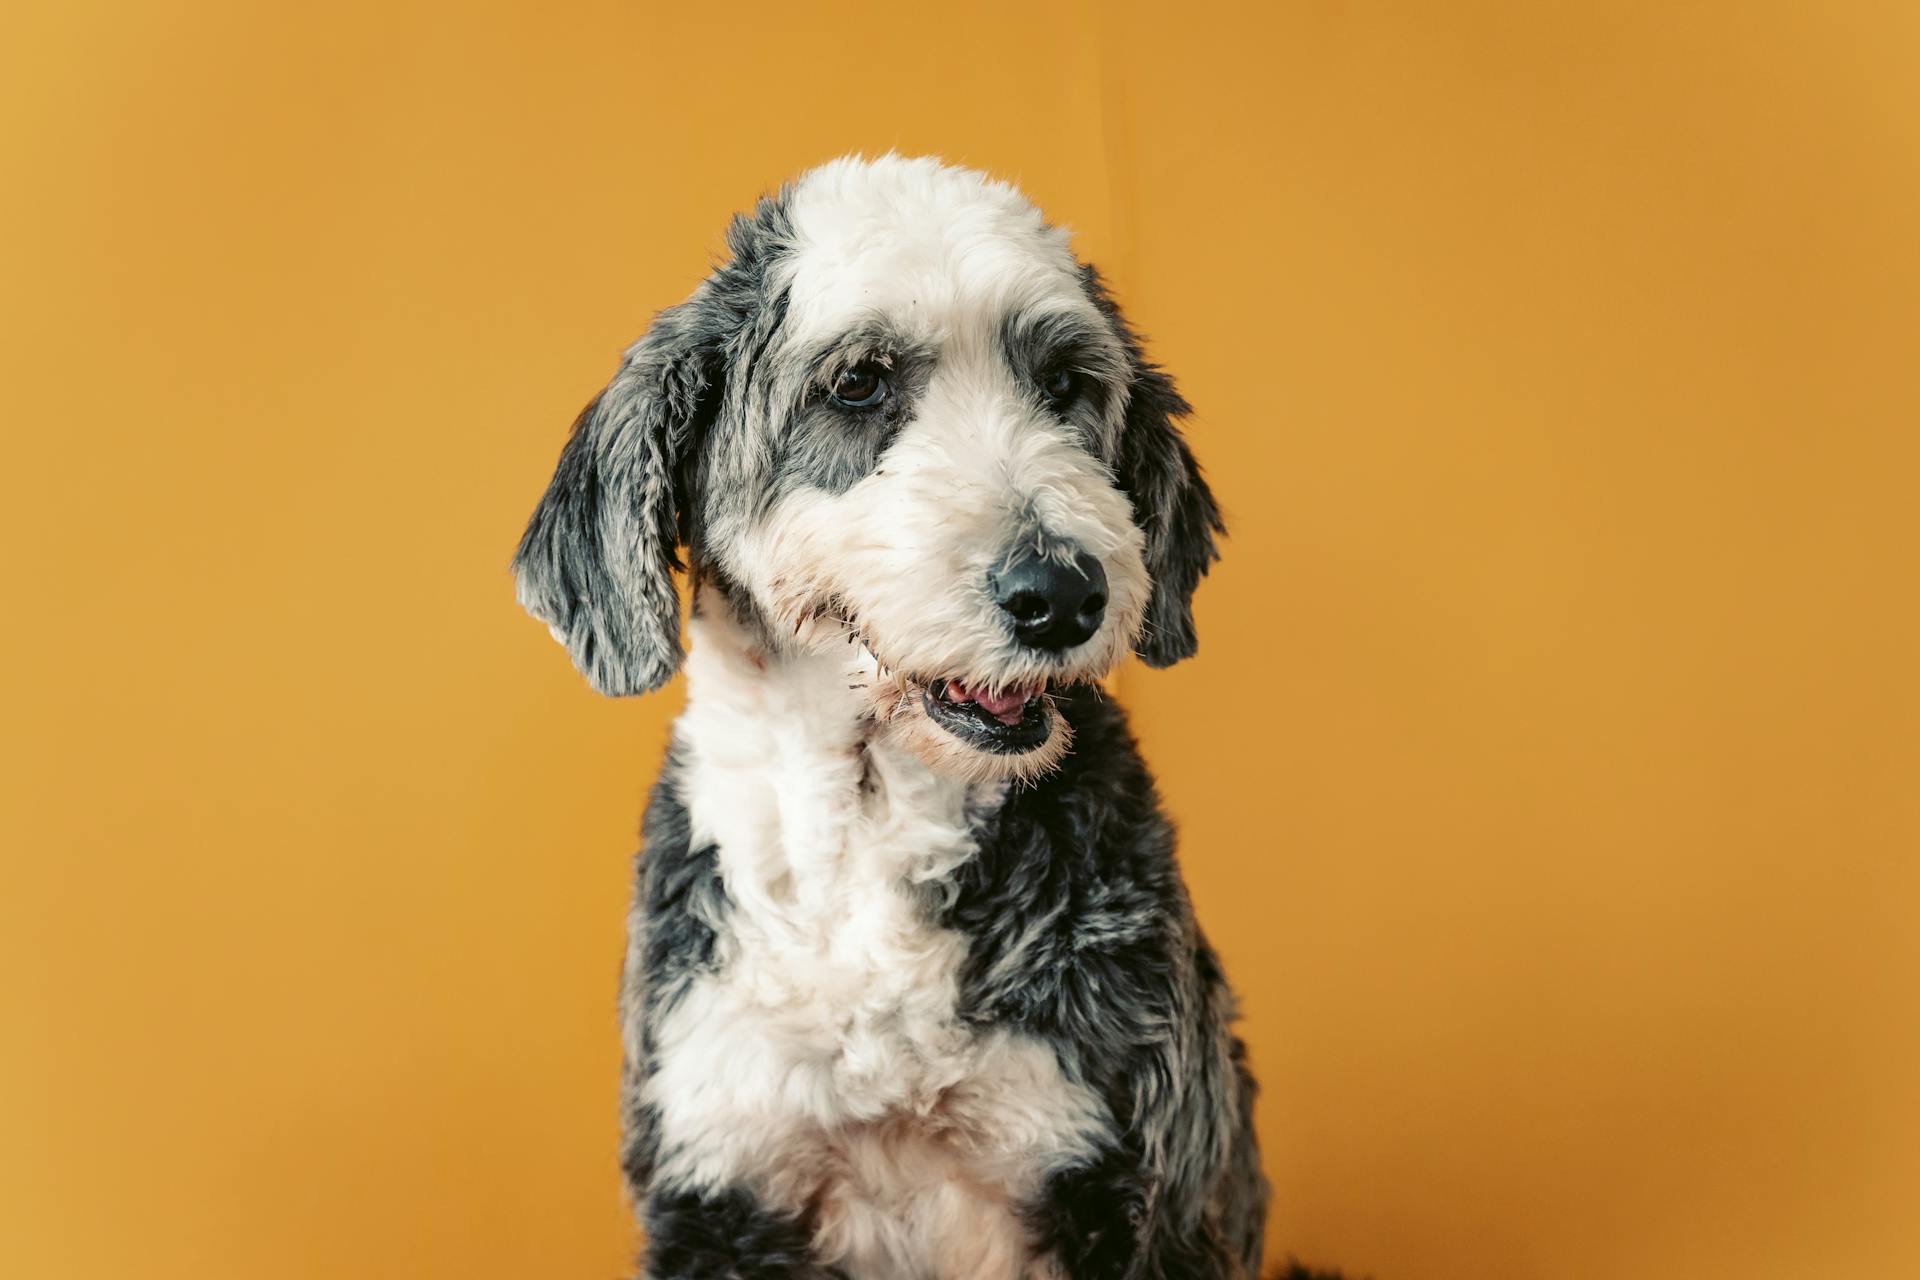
pixel 678 898
pixel 1073 899
pixel 1097 819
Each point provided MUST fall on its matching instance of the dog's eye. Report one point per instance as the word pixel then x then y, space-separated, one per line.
pixel 859 388
pixel 1060 385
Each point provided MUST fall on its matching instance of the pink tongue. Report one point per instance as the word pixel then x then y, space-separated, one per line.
pixel 1004 707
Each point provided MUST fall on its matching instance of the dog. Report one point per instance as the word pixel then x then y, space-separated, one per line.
pixel 913 986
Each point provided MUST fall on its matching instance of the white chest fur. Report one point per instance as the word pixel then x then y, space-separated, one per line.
pixel 822 1065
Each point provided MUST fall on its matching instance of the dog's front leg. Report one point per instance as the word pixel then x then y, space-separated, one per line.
pixel 1094 1219
pixel 1107 1221
pixel 725 1236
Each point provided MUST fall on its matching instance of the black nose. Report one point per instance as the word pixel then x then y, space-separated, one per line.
pixel 1051 604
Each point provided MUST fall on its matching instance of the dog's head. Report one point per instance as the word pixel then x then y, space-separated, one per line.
pixel 902 419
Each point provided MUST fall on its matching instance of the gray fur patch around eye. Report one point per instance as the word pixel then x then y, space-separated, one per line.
pixel 830 447
pixel 1039 342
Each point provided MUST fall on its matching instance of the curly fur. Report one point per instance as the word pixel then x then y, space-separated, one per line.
pixel 898 1003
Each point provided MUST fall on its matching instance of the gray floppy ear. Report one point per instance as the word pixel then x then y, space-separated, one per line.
pixel 1171 501
pixel 597 560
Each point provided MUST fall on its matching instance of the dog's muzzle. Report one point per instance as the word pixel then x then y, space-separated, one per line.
pixel 1051 603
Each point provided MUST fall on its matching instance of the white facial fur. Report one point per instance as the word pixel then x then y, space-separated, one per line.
pixel 944 257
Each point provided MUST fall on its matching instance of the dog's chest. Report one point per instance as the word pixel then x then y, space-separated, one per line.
pixel 821 1062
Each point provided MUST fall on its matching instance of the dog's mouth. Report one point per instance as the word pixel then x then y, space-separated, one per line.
pixel 1001 721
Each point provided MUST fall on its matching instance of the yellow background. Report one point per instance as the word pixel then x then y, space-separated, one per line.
pixel 1548 776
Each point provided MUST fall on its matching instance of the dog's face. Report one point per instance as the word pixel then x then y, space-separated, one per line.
pixel 902 422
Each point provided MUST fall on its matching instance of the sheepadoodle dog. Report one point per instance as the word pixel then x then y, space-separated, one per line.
pixel 914 988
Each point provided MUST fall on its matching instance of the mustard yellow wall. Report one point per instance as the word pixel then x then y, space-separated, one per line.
pixel 1548 778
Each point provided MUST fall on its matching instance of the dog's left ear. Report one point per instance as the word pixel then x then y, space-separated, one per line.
pixel 597 561
pixel 1171 501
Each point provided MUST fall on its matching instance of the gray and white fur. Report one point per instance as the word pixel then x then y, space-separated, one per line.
pixel 913 987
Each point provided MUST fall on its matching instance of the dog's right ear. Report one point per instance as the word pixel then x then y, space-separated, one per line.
pixel 1171 500
pixel 597 560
